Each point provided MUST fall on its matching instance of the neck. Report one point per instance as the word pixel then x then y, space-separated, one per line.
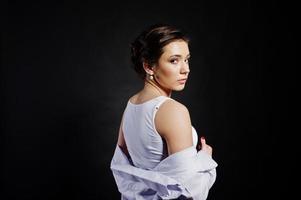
pixel 153 86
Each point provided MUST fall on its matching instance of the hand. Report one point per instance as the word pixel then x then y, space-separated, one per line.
pixel 205 147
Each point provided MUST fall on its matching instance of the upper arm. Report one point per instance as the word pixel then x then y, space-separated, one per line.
pixel 173 123
pixel 121 141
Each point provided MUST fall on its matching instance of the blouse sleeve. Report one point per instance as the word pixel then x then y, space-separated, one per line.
pixel 186 173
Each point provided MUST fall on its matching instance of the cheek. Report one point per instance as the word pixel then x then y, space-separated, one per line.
pixel 169 72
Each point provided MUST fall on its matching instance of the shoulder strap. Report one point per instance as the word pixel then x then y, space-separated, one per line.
pixel 162 100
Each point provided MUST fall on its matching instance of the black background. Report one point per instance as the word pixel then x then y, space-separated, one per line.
pixel 66 77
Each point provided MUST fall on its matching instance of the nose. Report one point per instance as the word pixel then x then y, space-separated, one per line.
pixel 185 68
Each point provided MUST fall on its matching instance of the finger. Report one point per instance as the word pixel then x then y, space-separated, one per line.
pixel 203 141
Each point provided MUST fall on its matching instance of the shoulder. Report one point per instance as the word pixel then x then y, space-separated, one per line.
pixel 171 108
pixel 173 123
pixel 172 116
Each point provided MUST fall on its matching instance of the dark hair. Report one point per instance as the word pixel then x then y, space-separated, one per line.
pixel 148 46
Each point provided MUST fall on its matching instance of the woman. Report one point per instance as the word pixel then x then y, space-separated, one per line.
pixel 156 155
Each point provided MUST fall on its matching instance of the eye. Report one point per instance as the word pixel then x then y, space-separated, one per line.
pixel 174 61
pixel 187 60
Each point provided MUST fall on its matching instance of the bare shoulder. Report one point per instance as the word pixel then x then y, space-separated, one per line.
pixel 173 123
pixel 173 109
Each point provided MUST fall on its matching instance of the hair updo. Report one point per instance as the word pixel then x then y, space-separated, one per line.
pixel 148 46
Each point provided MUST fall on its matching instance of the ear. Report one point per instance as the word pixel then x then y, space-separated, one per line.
pixel 148 69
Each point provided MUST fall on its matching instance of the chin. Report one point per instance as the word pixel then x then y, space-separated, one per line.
pixel 179 88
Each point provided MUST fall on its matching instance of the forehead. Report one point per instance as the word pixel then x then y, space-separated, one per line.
pixel 178 47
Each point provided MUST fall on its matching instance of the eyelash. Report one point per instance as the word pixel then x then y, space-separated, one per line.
pixel 172 61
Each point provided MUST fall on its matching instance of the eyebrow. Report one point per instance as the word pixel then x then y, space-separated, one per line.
pixel 179 56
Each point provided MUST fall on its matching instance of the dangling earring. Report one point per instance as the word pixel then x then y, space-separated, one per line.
pixel 151 77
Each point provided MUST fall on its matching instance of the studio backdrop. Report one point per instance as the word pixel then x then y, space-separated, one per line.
pixel 66 77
